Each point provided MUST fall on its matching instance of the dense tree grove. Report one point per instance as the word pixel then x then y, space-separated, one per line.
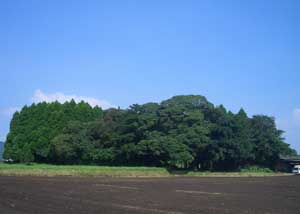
pixel 32 130
pixel 183 132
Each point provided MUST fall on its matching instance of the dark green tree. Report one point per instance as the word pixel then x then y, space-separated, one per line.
pixel 184 132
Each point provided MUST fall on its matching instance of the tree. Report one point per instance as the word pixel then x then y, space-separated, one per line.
pixel 35 126
pixel 268 141
pixel 159 150
pixel 182 132
pixel 26 156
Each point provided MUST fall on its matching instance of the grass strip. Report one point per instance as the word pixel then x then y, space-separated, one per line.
pixel 114 171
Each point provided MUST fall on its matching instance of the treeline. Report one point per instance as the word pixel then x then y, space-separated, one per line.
pixel 183 132
pixel 1 149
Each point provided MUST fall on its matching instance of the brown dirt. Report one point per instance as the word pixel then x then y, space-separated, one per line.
pixel 19 195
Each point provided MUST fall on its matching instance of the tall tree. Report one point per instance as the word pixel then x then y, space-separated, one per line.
pixel 183 132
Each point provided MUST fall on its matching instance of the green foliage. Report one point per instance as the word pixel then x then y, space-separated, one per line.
pixel 1 149
pixel 185 132
pixel 256 169
pixel 27 156
pixel 37 125
pixel 163 151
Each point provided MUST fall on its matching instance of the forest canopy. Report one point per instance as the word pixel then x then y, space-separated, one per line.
pixel 184 132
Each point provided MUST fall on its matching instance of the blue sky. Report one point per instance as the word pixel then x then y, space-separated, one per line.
pixel 115 53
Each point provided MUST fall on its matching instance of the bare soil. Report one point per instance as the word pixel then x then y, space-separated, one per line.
pixel 178 195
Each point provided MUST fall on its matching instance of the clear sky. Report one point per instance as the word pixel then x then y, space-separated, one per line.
pixel 115 53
